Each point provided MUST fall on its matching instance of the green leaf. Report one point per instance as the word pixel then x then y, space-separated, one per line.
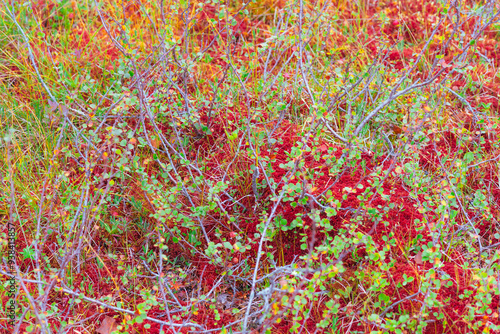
pixel 330 212
pixel 384 298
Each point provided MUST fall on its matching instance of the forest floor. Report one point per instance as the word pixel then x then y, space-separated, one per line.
pixel 206 166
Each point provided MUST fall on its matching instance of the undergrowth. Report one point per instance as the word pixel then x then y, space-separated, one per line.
pixel 274 166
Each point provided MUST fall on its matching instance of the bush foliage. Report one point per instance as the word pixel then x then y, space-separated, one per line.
pixel 206 166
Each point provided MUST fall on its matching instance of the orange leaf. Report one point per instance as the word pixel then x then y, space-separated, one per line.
pixel 418 258
pixel 108 325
